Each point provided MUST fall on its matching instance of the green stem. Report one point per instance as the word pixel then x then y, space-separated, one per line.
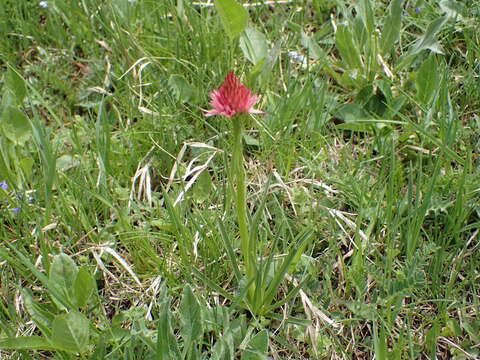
pixel 241 199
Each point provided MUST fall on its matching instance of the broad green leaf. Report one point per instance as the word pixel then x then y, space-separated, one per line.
pixel 16 85
pixel 365 12
pixel 391 27
pixel 233 15
pixel 84 286
pixel 181 88
pixel 15 125
pixel 257 347
pixel 427 80
pixel 26 343
pixel 259 342
pixel 254 45
pixel 351 113
pixel 314 50
pixel 191 318
pixel 66 162
pixel 453 9
pixel 347 47
pixel 27 164
pixel 63 274
pixel 71 332
pixel 428 40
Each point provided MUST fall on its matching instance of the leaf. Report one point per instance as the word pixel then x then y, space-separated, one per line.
pixel 254 45
pixel 191 318
pixel 314 50
pixel 257 347
pixel 26 343
pixel 66 162
pixel 351 113
pixel 428 40
pixel 347 47
pixel 84 286
pixel 15 125
pixel 27 164
pixel 16 85
pixel 181 88
pixel 365 12
pixel 63 274
pixel 260 341
pixel 427 80
pixel 167 347
pixel 70 332
pixel 366 311
pixel 233 15
pixel 452 9
pixel 391 27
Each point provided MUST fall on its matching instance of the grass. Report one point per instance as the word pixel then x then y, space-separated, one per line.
pixel 369 145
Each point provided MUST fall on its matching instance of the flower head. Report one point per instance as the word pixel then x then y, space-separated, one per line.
pixel 232 98
pixel 43 4
pixel 4 185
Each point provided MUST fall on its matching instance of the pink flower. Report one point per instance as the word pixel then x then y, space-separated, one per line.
pixel 232 98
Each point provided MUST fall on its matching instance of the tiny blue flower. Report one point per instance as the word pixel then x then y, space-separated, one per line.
pixel 43 4
pixel 16 210
pixel 4 185
pixel 418 10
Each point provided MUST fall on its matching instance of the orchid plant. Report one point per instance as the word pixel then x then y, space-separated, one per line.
pixel 234 100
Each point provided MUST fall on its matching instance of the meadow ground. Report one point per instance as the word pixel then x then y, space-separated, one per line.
pixel 119 203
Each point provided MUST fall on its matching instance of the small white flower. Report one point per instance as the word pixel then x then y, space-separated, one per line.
pixel 43 4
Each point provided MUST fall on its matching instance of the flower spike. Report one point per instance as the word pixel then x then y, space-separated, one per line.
pixel 232 98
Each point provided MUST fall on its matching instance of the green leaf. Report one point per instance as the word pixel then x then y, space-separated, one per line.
pixel 260 341
pixel 84 286
pixel 366 311
pixel 314 50
pixel 254 45
pixel 351 113
pixel 391 27
pixel 191 318
pixel 16 85
pixel 181 88
pixel 233 15
pixel 27 164
pixel 70 332
pixel 452 9
pixel 257 347
pixel 66 162
pixel 347 47
pixel 26 343
pixel 427 80
pixel 365 12
pixel 428 40
pixel 63 274
pixel 15 125
pixel 167 347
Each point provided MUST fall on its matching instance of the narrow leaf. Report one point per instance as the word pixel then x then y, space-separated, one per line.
pixel 26 343
pixel 427 80
pixel 191 318
pixel 391 27
pixel 347 47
